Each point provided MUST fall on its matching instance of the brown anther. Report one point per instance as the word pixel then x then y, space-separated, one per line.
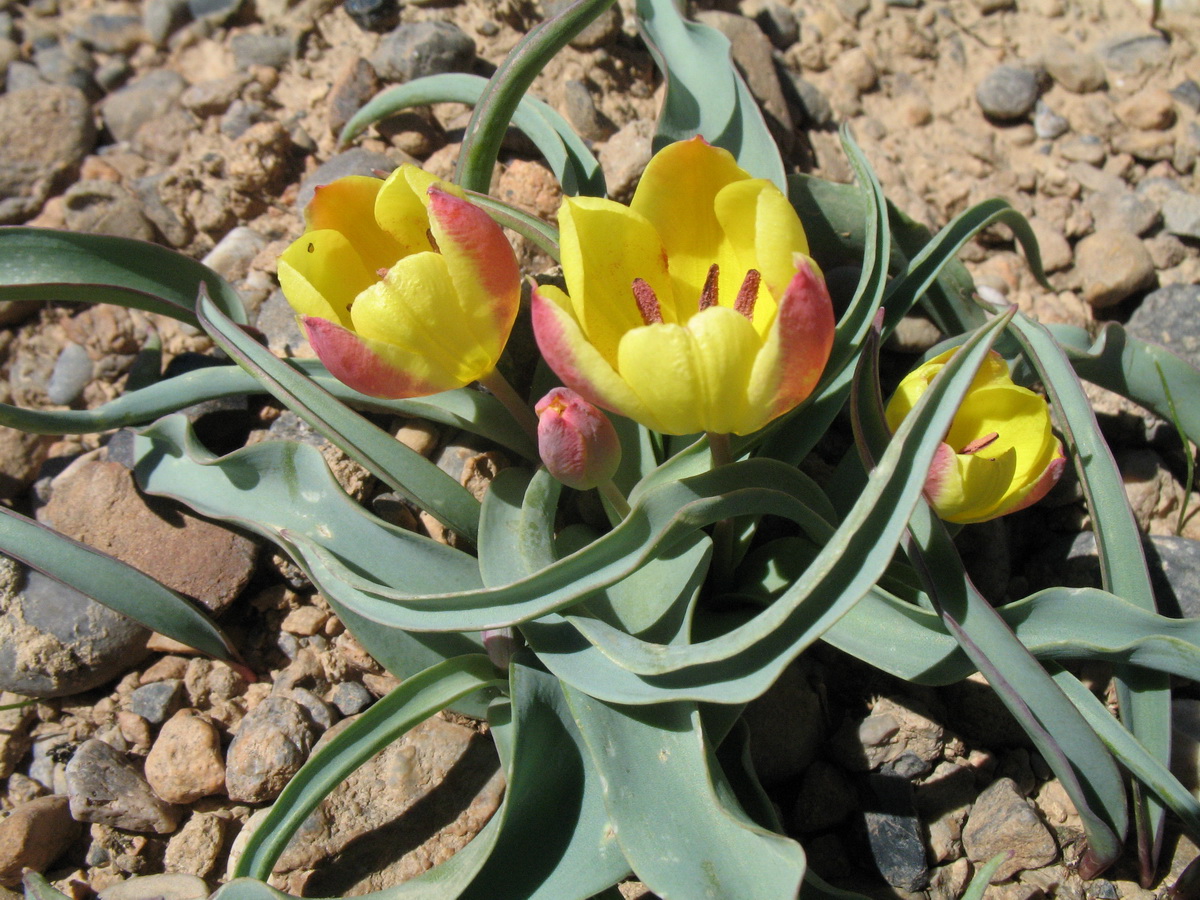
pixel 978 444
pixel 708 296
pixel 647 302
pixel 432 242
pixel 747 294
pixel 382 272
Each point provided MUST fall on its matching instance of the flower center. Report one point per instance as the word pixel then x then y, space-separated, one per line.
pixel 978 444
pixel 648 305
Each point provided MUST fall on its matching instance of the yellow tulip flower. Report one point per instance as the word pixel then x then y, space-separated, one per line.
pixel 403 286
pixel 1000 454
pixel 696 307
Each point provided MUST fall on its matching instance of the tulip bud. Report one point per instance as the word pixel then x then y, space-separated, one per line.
pixel 576 441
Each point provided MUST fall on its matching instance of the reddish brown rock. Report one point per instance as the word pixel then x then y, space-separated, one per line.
pixel 97 503
pixel 33 836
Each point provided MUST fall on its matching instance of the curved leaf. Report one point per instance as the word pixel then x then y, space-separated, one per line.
pixel 401 468
pixel 569 158
pixel 705 94
pixel 111 583
pixel 45 264
pixel 502 97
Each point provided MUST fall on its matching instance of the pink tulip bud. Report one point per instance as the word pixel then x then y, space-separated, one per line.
pixel 576 441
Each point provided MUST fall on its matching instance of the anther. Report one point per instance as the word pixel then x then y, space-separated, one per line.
pixel 708 296
pixel 747 294
pixel 979 443
pixel 647 302
pixel 432 242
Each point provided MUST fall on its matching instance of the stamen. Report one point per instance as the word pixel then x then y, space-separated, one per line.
pixel 382 272
pixel 978 444
pixel 708 296
pixel 747 294
pixel 432 242
pixel 647 302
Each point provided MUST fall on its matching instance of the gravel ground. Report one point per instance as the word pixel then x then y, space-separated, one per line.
pixel 204 124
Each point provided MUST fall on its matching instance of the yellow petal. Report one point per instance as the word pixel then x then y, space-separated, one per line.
pixel 347 205
pixel 1018 417
pixel 966 487
pixel 415 308
pixel 677 195
pixel 725 346
pixel 577 362
pixel 659 362
pixel 993 371
pixel 604 248
pixel 400 212
pixel 764 233
pixel 321 275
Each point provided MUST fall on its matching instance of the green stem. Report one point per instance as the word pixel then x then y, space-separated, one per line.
pixel 615 498
pixel 485 131
pixel 517 407
pixel 722 566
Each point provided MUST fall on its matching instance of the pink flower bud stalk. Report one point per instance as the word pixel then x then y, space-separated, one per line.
pixel 576 441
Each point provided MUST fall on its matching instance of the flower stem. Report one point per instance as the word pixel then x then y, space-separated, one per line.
pixel 613 495
pixel 518 408
pixel 722 536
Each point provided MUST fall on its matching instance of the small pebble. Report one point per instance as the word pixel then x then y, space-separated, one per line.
pixel 271 744
pixel 72 373
pixel 1152 109
pixel 157 701
pixel 1007 93
pixel 417 49
pixel 373 15
pixel 106 788
pixel 34 835
pixel 214 11
pixel 1134 52
pixel 1188 93
pixel 185 762
pixel 1181 214
pixel 1123 210
pixel 1048 124
pixel 162 18
pixel 351 698
pixel 233 254
pixel 323 714
pixel 1112 265
pixel 779 24
pixel 169 886
pixel 270 50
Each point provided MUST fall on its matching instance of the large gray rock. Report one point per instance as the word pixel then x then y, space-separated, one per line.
pixel 54 641
pixel 34 162
pixel 1169 316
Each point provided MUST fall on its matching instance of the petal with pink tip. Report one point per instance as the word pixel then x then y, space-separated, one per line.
pixel 374 368
pixel 579 364
pixel 482 265
pixel 796 348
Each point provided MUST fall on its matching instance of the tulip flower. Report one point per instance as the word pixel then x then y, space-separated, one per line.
pixel 403 286
pixel 576 441
pixel 1000 454
pixel 696 307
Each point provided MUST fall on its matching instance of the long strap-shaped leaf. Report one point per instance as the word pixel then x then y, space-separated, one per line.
pixel 705 93
pixel 1067 743
pixel 1136 369
pixel 402 469
pixel 570 159
pixel 697 843
pixel 509 85
pixel 111 583
pixel 45 264
pixel 464 409
pixel 1144 698
pixel 417 698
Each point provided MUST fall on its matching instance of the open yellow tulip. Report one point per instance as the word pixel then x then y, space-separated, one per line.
pixel 696 308
pixel 1007 456
pixel 403 286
